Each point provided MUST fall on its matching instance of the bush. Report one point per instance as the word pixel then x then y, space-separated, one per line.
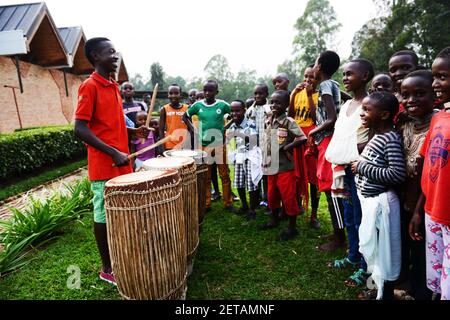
pixel 28 150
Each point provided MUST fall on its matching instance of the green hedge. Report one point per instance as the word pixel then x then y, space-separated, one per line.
pixel 26 151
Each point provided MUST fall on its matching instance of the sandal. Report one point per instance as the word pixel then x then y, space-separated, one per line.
pixel 359 278
pixel 342 264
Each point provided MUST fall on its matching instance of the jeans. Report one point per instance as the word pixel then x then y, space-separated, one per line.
pixel 352 219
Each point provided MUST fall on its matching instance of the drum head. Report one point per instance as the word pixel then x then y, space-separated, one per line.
pixel 138 177
pixel 167 163
pixel 185 153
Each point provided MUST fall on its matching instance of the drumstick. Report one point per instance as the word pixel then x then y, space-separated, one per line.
pixel 153 146
pixel 150 109
pixel 160 142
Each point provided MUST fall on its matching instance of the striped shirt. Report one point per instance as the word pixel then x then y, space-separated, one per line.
pixel 381 165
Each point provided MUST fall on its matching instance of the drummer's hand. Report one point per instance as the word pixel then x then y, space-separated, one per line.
pixel 143 132
pixel 120 159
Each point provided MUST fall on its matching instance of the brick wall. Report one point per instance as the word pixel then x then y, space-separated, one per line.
pixel 44 100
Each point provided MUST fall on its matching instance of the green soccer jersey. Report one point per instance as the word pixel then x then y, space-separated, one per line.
pixel 211 120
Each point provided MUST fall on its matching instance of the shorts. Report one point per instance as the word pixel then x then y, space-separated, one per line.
pixel 98 188
pixel 283 188
pixel 243 176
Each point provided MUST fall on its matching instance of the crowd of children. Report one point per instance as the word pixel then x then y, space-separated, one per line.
pixel 380 158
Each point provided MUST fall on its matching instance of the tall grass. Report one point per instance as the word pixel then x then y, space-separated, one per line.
pixel 41 222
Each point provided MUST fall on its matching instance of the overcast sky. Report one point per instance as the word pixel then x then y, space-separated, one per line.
pixel 183 35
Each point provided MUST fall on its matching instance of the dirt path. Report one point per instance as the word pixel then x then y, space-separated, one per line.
pixel 21 200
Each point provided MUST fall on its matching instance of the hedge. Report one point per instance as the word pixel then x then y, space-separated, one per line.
pixel 29 150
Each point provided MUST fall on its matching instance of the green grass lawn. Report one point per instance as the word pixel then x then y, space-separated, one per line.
pixel 28 182
pixel 234 261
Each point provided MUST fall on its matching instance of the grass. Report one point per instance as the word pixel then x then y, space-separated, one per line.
pixel 234 261
pixel 29 182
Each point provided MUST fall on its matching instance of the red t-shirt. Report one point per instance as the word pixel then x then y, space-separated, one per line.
pixel 436 168
pixel 100 103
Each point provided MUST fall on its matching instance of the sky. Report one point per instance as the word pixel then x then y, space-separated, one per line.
pixel 182 35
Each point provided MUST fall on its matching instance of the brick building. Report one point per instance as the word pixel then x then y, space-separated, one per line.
pixel 50 71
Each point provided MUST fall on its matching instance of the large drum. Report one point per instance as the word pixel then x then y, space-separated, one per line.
pixel 146 234
pixel 187 169
pixel 199 157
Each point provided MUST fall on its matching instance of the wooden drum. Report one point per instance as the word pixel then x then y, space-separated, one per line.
pixel 187 169
pixel 199 157
pixel 146 230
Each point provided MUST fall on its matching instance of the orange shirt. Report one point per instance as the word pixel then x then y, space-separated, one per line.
pixel 174 122
pixel 100 103
pixel 436 168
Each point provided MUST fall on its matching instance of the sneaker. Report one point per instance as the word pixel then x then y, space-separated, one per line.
pixel 314 224
pixel 108 277
pixel 215 196
pixel 235 197
pixel 263 204
pixel 287 235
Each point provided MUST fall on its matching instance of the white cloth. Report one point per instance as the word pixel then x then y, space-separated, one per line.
pixel 379 237
pixel 255 158
pixel 348 133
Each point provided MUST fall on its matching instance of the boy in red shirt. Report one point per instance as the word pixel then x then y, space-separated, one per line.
pixel 99 122
pixel 435 176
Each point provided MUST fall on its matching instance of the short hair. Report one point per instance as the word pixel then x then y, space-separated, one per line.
pixel 284 95
pixel 387 101
pixel 310 66
pixel 444 54
pixel 264 86
pixel 282 75
pixel 211 82
pixel 126 84
pixel 410 53
pixel 249 101
pixel 141 113
pixel 175 85
pixel 193 90
pixel 329 62
pixel 426 75
pixel 366 65
pixel 241 102
pixel 93 45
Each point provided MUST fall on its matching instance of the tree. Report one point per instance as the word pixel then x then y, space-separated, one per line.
pixel 176 80
pixel 138 82
pixel 218 69
pixel 419 25
pixel 316 29
pixel 157 75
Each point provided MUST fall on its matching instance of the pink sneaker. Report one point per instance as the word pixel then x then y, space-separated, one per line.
pixel 108 277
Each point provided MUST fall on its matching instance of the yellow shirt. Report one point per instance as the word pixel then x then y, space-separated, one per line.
pixel 301 108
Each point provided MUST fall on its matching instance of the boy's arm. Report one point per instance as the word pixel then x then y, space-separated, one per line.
pixel 192 110
pixel 162 125
pixel 394 173
pixel 83 132
pixel 299 139
pixel 331 113
pixel 312 105
pixel 417 219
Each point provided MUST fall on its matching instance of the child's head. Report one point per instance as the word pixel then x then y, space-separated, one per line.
pixel 357 73
pixel 127 90
pixel 379 108
pixel 249 102
pixel 192 96
pixel 147 98
pixel 237 111
pixel 441 75
pixel 101 54
pixel 154 123
pixel 308 76
pixel 281 81
pixel 279 101
pixel 174 94
pixel 210 90
pixel 261 93
pixel 141 118
pixel 417 93
pixel 400 64
pixel 381 82
pixel 326 65
pixel 200 95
